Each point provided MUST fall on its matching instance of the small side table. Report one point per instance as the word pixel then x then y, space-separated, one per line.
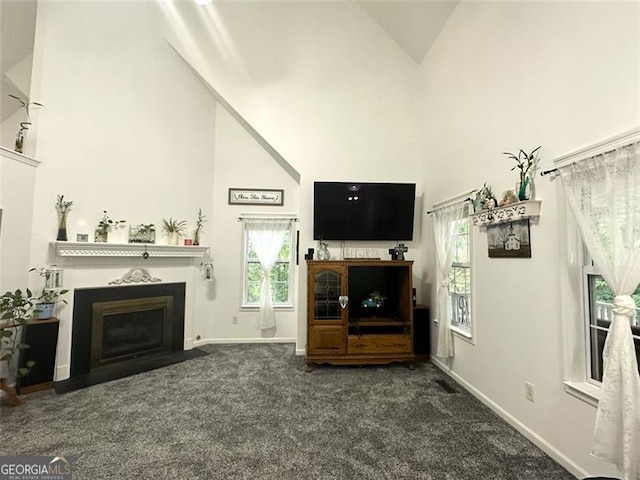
pixel 42 338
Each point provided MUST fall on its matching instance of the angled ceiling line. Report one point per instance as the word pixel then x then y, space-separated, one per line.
pixel 273 153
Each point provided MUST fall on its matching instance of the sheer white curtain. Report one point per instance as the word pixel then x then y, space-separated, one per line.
pixel 266 236
pixel 446 223
pixel 603 193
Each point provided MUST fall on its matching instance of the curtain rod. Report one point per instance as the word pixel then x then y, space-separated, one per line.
pixel 468 199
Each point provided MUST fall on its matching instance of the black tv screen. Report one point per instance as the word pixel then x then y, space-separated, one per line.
pixel 363 211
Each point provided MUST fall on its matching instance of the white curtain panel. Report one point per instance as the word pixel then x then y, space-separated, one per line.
pixel 446 223
pixel 603 193
pixel 266 239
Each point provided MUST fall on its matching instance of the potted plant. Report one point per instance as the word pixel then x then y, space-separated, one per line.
pixel 47 301
pixel 173 229
pixel 102 230
pixel 24 126
pixel 527 163
pixel 16 309
pixel 199 227
pixel 50 295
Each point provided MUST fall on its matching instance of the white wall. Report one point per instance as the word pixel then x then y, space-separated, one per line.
pixel 500 77
pixel 128 128
pixel 323 84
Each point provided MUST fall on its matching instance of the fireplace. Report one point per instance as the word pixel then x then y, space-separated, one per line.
pixel 127 329
pixel 120 331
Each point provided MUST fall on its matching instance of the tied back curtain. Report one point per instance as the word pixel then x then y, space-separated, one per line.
pixel 446 223
pixel 603 193
pixel 266 236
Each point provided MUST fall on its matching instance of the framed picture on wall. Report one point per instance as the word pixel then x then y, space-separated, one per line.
pixel 509 240
pixel 255 196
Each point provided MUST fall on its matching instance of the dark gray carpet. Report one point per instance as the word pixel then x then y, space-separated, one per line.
pixel 251 412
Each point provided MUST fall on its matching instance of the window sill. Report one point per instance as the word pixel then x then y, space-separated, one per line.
pixel 252 308
pixel 463 334
pixel 583 391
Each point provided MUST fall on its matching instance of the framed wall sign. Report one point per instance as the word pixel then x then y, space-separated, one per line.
pixel 255 196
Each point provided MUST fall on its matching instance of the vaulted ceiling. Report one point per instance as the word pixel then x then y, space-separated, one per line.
pixel 414 25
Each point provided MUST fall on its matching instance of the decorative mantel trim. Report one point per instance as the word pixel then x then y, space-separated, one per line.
pixel 509 213
pixel 135 275
pixel 93 249
pixel 18 157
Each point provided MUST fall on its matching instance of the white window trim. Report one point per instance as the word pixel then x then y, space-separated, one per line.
pixel 467 336
pixel 243 291
pixel 577 381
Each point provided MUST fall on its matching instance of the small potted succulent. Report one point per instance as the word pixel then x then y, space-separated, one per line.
pixel 173 229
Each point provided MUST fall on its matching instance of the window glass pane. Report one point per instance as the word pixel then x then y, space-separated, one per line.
pixel 280 274
pixel 460 279
pixel 600 317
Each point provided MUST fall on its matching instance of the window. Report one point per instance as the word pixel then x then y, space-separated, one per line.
pixel 460 281
pixel 598 300
pixel 281 273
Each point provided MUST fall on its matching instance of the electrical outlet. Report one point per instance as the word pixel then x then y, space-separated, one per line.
pixel 529 392
pixel 234 320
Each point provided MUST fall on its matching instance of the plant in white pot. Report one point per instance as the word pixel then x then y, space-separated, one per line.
pixel 16 309
pixel 173 229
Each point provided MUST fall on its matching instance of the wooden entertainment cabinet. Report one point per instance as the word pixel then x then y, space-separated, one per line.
pixel 360 333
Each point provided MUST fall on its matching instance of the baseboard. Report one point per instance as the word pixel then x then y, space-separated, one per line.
pixel 218 341
pixel 536 439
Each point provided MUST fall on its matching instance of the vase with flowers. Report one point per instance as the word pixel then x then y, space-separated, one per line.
pixel 62 207
pixel 527 163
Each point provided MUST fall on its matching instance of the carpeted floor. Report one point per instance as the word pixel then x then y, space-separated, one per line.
pixel 251 412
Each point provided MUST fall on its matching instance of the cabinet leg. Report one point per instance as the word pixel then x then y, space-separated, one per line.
pixel 308 368
pixel 11 393
pixel 411 366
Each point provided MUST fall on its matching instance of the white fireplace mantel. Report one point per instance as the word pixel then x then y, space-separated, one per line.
pixel 94 249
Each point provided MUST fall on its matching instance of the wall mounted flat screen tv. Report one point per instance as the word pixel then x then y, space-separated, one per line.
pixel 363 211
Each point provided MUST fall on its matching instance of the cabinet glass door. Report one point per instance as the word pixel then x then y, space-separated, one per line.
pixel 327 290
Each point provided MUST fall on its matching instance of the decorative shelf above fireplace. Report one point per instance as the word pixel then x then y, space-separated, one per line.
pixel 93 249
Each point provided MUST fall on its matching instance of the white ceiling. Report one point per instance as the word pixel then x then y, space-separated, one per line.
pixel 414 25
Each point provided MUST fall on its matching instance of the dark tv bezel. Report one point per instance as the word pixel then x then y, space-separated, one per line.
pixel 363 238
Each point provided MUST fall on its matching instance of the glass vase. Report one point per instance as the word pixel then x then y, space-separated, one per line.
pixel 62 227
pixel 101 235
pixel 19 141
pixel 196 237
pixel 523 189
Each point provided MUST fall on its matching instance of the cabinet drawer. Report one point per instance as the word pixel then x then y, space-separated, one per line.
pixel 379 344
pixel 326 339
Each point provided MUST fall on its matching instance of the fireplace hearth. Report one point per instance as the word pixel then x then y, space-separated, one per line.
pixel 121 331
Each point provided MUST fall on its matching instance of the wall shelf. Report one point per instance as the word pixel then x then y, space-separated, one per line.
pixel 509 213
pixel 94 249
